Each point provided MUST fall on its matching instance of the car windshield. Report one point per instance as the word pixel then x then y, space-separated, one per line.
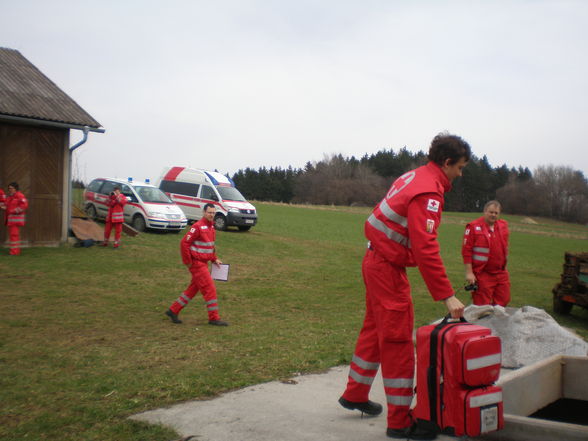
pixel 152 194
pixel 230 193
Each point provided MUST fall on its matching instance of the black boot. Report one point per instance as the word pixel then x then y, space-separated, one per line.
pixel 398 433
pixel 367 407
pixel 173 317
pixel 218 323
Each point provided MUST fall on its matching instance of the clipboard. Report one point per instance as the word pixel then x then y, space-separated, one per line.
pixel 220 272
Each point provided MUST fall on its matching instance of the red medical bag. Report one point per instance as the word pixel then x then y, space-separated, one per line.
pixel 457 364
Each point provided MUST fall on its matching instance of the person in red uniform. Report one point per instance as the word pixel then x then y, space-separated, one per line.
pixel 197 249
pixel 2 199
pixel 115 217
pixel 485 251
pixel 16 206
pixel 402 232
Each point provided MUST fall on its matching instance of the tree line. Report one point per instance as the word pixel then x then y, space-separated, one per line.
pixel 557 192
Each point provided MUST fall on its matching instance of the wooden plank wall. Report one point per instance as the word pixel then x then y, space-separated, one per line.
pixel 35 158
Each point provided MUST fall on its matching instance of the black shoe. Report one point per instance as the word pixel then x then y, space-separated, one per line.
pixel 419 432
pixel 174 317
pixel 368 407
pixel 398 433
pixel 217 323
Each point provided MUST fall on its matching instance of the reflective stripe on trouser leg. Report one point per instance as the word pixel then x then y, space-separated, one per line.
pixel 117 231
pixel 365 361
pixel 388 293
pixel 107 229
pixel 14 240
pixel 201 277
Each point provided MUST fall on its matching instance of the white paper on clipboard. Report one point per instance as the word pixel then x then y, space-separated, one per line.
pixel 220 272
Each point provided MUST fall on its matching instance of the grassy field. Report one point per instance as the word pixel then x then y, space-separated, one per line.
pixel 84 342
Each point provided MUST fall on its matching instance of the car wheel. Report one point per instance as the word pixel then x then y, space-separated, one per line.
pixel 139 223
pixel 91 212
pixel 220 222
pixel 245 227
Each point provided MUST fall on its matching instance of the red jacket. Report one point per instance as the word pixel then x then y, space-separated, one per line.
pixel 477 245
pixel 16 207
pixel 2 199
pixel 198 243
pixel 403 226
pixel 116 208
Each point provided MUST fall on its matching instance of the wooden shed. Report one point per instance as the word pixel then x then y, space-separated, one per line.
pixel 36 118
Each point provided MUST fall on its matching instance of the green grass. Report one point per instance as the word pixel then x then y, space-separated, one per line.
pixel 84 342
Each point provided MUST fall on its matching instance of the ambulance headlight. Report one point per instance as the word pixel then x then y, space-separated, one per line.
pixel 234 210
pixel 156 214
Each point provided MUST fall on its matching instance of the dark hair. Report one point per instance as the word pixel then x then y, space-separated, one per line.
pixel 14 184
pixel 446 146
pixel 116 187
pixel 207 206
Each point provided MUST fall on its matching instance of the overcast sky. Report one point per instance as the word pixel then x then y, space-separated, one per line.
pixel 232 84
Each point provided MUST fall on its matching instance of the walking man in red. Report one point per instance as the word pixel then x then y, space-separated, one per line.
pixel 197 249
pixel 115 217
pixel 402 232
pixel 16 206
pixel 485 251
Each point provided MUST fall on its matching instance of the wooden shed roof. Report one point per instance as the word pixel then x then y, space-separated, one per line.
pixel 26 92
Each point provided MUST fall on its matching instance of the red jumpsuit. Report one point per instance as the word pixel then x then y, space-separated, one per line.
pixel 2 199
pixel 402 232
pixel 487 252
pixel 16 206
pixel 197 249
pixel 115 217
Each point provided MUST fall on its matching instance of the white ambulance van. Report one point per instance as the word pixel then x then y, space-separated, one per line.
pixel 147 207
pixel 192 188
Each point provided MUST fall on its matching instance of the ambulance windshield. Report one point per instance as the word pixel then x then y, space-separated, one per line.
pixel 230 193
pixel 152 194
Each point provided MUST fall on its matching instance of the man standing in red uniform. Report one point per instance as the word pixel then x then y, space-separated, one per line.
pixel 16 207
pixel 402 232
pixel 197 249
pixel 484 251
pixel 115 217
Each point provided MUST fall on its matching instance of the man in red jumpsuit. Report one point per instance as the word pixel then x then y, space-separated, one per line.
pixel 402 232
pixel 484 251
pixel 197 249
pixel 115 217
pixel 16 206
pixel 2 199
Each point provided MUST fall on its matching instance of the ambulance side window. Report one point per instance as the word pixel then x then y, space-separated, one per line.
pixel 208 193
pixel 95 185
pixel 126 190
pixel 183 188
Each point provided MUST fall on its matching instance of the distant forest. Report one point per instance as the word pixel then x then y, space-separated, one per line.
pixel 556 192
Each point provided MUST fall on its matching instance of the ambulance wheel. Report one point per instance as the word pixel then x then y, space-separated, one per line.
pixel 91 212
pixel 220 222
pixel 245 227
pixel 139 223
pixel 561 306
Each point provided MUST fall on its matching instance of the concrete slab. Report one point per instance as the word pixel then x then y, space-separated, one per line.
pixel 302 409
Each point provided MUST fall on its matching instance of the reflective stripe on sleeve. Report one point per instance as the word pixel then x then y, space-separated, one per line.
pixel 480 258
pixel 480 250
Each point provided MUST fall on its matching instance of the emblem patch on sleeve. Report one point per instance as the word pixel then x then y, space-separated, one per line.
pixel 433 205
pixel 430 225
pixel 467 231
